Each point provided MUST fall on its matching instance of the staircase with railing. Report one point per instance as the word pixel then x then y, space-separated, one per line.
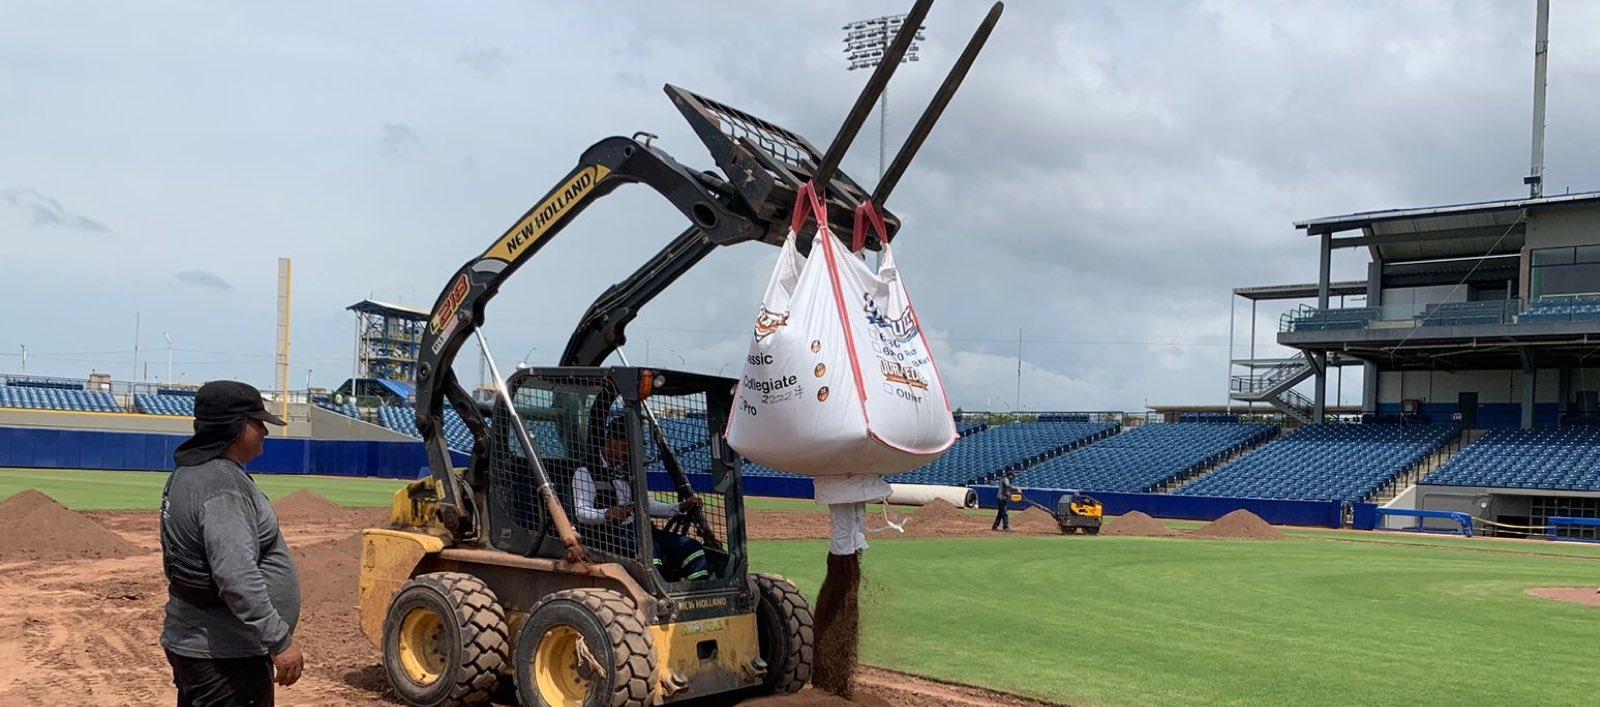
pixel 1274 384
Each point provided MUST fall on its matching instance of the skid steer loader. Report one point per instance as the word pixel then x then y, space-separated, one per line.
pixel 592 551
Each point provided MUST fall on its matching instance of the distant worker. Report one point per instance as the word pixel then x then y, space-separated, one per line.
pixel 679 557
pixel 234 592
pixel 1009 491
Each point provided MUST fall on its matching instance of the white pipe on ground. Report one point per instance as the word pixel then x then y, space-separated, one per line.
pixel 922 494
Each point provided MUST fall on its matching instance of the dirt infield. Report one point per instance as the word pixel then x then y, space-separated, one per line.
pixel 85 631
pixel 35 526
pixel 1238 525
pixel 1136 524
pixel 1587 596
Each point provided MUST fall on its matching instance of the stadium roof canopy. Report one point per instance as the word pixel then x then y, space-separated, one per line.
pixel 1437 232
pixel 1349 288
pixel 399 311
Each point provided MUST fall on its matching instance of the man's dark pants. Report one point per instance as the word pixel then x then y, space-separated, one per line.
pixel 1001 517
pixel 219 682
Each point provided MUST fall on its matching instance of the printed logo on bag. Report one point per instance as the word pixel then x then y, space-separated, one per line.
pixel 768 322
pixel 816 346
pixel 820 370
pixel 822 394
pixel 898 330
pixel 896 373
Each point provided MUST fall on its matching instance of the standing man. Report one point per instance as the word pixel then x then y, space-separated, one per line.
pixel 1008 488
pixel 234 593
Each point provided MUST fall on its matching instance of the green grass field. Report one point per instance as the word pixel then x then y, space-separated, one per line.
pixel 1310 620
pixel 128 490
pixel 1325 617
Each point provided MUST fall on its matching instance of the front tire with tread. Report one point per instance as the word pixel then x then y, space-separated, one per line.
pixel 473 640
pixel 614 634
pixel 786 632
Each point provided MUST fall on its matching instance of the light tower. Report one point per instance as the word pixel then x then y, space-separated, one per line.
pixel 864 44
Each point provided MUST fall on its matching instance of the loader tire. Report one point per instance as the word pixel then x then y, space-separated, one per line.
pixel 568 628
pixel 786 634
pixel 445 641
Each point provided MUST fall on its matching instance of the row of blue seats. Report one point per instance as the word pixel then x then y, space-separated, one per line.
pixel 157 404
pixel 1325 463
pixel 1002 447
pixel 1143 458
pixel 1560 458
pixel 403 419
pixel 1557 309
pixel 53 398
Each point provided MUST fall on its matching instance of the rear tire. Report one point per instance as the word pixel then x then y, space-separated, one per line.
pixel 550 667
pixel 786 633
pixel 1091 530
pixel 444 640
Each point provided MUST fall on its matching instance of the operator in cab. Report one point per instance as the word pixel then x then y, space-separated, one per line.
pixel 611 504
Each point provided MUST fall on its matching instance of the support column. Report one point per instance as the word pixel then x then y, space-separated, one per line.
pixel 1319 397
pixel 1369 370
pixel 1564 388
pixel 1229 399
pixel 1529 377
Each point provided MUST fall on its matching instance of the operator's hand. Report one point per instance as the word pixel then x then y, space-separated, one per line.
pixel 288 664
pixel 617 513
pixel 690 505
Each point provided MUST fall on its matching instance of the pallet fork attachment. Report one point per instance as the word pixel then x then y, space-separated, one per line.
pixel 764 167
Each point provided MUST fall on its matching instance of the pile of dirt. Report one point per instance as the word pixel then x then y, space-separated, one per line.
pixel 329 572
pixel 939 518
pixel 35 527
pixel 305 505
pixel 1035 520
pixel 1137 523
pixel 1239 525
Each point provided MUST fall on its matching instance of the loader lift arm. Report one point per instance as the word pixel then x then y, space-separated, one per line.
pixel 766 167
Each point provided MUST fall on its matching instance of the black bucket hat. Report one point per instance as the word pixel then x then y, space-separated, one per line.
pixel 220 411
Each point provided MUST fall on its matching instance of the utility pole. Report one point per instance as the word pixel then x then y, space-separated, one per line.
pixel 1541 51
pixel 24 358
pixel 1018 399
pixel 135 346
pixel 169 355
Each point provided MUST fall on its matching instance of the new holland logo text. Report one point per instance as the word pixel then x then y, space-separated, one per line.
pixel 539 221
pixel 898 330
pixel 446 311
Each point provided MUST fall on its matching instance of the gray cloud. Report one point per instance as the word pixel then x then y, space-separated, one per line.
pixel 399 136
pixel 489 61
pixel 49 212
pixel 204 279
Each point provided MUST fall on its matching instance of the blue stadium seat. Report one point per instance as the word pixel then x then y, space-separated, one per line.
pixel 57 397
pixel 164 404
pixel 1143 458
pixel 1010 446
pixel 1554 458
pixel 1326 462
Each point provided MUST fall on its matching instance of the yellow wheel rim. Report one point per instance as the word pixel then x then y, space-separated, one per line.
pixel 422 650
pixel 555 668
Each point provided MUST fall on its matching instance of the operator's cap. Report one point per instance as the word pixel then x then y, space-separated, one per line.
pixel 222 402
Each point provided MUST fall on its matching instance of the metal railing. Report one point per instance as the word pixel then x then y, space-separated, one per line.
pixel 1308 318
pixel 1490 312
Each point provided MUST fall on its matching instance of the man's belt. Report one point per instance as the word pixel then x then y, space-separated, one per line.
pixel 202 597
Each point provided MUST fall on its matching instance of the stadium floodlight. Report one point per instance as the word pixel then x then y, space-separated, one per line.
pixel 864 44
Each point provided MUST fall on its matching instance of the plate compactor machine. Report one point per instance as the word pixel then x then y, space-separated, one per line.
pixel 592 550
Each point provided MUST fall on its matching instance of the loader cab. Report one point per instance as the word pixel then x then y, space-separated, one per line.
pixel 573 414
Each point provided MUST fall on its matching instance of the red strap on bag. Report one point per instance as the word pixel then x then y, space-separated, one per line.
pixel 806 203
pixel 867 214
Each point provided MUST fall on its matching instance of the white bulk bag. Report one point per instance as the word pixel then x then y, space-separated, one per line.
pixel 839 379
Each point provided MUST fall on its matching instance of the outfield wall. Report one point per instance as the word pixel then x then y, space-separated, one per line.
pixel 1329 514
pixel 39 448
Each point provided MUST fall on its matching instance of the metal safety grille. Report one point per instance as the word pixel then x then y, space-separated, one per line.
pixel 782 145
pixel 683 422
pixel 601 455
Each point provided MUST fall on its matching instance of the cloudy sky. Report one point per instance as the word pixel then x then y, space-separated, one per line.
pixel 1108 173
